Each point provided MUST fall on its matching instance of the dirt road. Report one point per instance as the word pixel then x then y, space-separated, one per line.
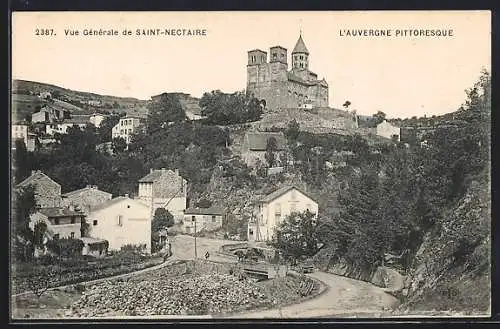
pixel 183 248
pixel 344 297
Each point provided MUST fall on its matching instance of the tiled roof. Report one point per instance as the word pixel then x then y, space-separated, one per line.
pixel 33 176
pixel 109 203
pixel 204 211
pixel 59 212
pixel 300 47
pixel 257 141
pixel 156 174
pixel 281 191
pixel 88 188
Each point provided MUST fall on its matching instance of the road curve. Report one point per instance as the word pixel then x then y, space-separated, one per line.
pixel 344 297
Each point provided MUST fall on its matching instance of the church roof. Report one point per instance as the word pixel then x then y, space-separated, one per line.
pixel 300 47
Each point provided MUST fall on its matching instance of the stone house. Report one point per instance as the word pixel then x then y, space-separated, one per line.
pixel 202 219
pixel 275 207
pixel 47 191
pixel 86 197
pixel 50 114
pixel 164 189
pixel 62 222
pixel 254 146
pixel 387 130
pixel 121 221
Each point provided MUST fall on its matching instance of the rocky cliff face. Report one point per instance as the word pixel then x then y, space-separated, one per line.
pixel 452 268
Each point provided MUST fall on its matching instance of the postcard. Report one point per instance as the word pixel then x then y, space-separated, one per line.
pixel 250 165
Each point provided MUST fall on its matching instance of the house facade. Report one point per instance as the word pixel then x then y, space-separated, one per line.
pixel 275 207
pixel 202 219
pixel 62 222
pixel 254 146
pixel 96 119
pixel 62 127
pixel 49 114
pixel 126 127
pixel 121 221
pixel 164 189
pixel 387 130
pixel 20 131
pixel 86 198
pixel 47 191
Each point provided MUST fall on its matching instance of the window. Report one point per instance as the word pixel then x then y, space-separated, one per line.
pixel 73 220
pixel 56 221
pixel 95 222
pixel 263 59
pixel 250 231
pixel 72 235
pixel 56 236
pixel 120 220
pixel 301 65
pixel 277 213
pixel 193 218
pixel 214 219
pixel 275 55
pixel 301 57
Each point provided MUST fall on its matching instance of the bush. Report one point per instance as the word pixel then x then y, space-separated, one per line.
pixel 66 247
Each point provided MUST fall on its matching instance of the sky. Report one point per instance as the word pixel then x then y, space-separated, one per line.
pixel 401 76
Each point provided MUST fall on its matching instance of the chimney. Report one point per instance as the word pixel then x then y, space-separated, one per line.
pixel 151 170
pixel 126 195
pixel 88 186
pixel 176 171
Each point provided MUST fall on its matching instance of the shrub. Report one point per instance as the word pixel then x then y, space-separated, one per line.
pixel 66 247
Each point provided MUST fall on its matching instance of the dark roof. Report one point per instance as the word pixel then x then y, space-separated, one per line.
pixel 204 211
pixel 156 174
pixel 78 119
pixel 87 188
pixel 281 191
pixel 300 47
pixel 30 179
pixel 257 141
pixel 59 212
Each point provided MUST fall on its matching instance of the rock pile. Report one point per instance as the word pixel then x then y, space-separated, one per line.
pixel 187 294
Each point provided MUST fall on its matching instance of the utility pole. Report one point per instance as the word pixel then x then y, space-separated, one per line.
pixel 195 251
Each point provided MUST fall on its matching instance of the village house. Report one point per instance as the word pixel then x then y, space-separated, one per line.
pixel 126 127
pixel 254 146
pixel 49 114
pixel 86 197
pixel 164 189
pixel 96 119
pixel 47 191
pixel 202 219
pixel 94 247
pixel 62 127
pixel 275 207
pixel 20 131
pixel 387 130
pixel 62 222
pixel 121 221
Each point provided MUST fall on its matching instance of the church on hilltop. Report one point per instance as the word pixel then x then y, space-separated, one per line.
pixel 282 88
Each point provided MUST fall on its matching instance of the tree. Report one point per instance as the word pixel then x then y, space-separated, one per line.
pixel 292 132
pixel 21 162
pixel 204 203
pixel 296 236
pixel 106 126
pixel 119 145
pixel 161 220
pixel 380 116
pixel 223 109
pixel 271 148
pixel 163 111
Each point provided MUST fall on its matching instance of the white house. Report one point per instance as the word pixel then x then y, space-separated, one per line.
pixel 126 127
pixel 121 221
pixel 62 127
pixel 96 119
pixel 21 131
pixel 275 207
pixel 387 130
pixel 164 189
